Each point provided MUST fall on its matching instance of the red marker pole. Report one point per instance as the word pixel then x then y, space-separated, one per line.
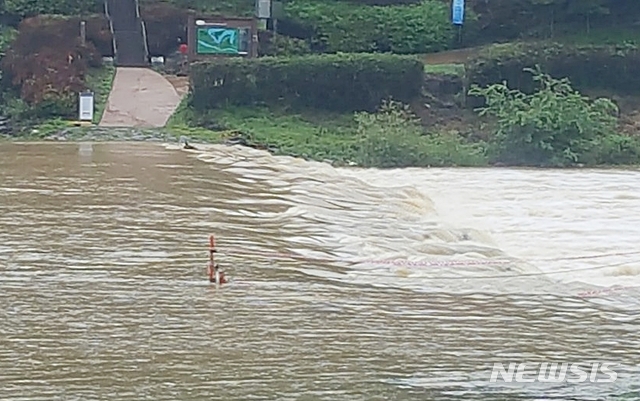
pixel 212 270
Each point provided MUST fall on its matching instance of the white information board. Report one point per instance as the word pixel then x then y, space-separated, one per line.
pixel 263 9
pixel 86 106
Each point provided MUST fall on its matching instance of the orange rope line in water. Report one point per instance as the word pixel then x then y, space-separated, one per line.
pixel 446 263
pixel 417 263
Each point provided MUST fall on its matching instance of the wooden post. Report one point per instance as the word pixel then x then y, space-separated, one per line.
pixel 191 41
pixel 253 25
pixel 275 30
pixel 83 33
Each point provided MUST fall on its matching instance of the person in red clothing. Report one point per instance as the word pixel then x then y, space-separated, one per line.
pixel 216 275
pixel 183 51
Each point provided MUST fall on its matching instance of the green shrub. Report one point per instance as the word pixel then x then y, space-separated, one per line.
pixel 393 137
pixel 345 27
pixel 100 81
pixel 341 82
pixel 390 137
pixel 46 65
pixel 614 149
pixel 555 125
pixel 28 8
pixel 272 45
pixel 380 2
pixel 61 33
pixel 7 35
pixel 588 67
pixel 501 20
pixel 23 114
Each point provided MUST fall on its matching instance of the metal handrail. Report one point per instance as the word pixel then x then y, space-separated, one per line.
pixel 144 36
pixel 144 31
pixel 137 9
pixel 113 34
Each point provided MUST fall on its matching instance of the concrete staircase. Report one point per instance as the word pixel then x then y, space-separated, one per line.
pixel 139 97
pixel 129 33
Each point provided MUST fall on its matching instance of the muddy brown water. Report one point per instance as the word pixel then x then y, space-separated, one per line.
pixel 103 292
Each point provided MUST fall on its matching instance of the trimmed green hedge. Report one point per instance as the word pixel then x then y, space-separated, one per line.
pixel 239 8
pixel 403 29
pixel 588 67
pixel 381 2
pixel 340 82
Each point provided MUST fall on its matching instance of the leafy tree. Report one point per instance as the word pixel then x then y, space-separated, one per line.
pixel 555 125
pixel 7 35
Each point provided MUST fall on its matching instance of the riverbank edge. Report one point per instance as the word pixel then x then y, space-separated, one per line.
pixel 285 135
pixel 200 136
pixel 323 136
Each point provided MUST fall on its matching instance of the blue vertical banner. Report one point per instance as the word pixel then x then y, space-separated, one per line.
pixel 457 12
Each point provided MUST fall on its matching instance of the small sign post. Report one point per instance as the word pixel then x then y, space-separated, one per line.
pixel 263 9
pixel 85 106
pixel 457 12
pixel 457 16
pixel 83 32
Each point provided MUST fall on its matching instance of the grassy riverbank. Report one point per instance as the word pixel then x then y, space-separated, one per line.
pixel 338 139
pixel 390 138
pixel 100 80
pixel 554 126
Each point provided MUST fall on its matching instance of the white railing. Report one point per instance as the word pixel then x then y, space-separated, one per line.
pixel 113 34
pixel 144 31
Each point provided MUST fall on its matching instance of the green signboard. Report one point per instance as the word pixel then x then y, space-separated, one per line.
pixel 221 40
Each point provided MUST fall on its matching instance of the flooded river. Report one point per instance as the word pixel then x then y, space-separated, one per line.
pixel 346 284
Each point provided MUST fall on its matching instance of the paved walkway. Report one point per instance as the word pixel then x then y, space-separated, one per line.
pixel 140 97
